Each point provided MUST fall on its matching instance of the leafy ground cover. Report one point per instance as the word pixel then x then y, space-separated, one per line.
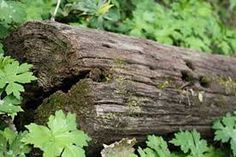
pixel 166 21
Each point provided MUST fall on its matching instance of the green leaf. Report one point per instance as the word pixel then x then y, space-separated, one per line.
pixel 12 14
pixel 1 46
pixel 61 134
pixel 175 24
pixel 73 151
pixel 10 106
pixel 5 60
pixel 4 30
pixel 16 12
pixel 40 136
pixel 103 8
pixel 39 9
pixel 217 152
pixel 232 4
pixel 157 147
pixel 190 143
pixel 10 109
pixel 15 89
pixel 225 131
pixel 13 75
pixel 11 145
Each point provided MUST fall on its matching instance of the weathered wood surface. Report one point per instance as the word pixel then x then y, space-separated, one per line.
pixel 122 86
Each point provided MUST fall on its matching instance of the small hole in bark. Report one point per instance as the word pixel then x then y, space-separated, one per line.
pixel 189 64
pixel 187 75
pixel 106 45
pixel 69 82
pixel 35 100
pixel 152 67
pixel 98 75
pixel 103 77
pixel 204 81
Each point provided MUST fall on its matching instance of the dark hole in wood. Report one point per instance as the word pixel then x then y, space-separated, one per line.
pixel 99 75
pixel 65 86
pixel 187 76
pixel 102 77
pixel 204 81
pixel 69 82
pixel 189 64
pixel 34 101
pixel 106 45
pixel 152 67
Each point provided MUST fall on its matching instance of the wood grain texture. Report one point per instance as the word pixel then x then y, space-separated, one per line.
pixel 121 86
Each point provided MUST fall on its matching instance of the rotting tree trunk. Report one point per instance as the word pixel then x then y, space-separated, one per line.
pixel 121 86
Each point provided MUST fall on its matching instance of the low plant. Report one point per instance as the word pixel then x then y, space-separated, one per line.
pixel 12 77
pixel 190 143
pixel 166 21
pixel 188 23
pixel 12 14
pixel 225 131
pixel 60 138
pixel 11 144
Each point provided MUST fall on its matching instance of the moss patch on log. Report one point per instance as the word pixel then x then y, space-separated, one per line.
pixel 134 104
pixel 229 84
pixel 76 101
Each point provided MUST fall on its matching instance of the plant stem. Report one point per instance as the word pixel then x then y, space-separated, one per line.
pixel 56 9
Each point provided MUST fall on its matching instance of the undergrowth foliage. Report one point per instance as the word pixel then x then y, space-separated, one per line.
pixel 189 142
pixel 195 24
pixel 12 76
pixel 188 23
pixel 11 144
pixel 226 131
pixel 60 138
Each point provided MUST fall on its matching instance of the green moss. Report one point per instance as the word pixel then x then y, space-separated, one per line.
pixel 111 120
pixel 120 81
pixel 121 86
pixel 77 101
pixel 119 63
pixel 221 101
pixel 109 76
pixel 50 106
pixel 228 84
pixel 96 74
pixel 134 104
pixel 79 92
pixel 108 117
pixel 164 84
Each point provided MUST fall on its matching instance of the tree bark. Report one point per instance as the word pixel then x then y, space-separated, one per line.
pixel 122 86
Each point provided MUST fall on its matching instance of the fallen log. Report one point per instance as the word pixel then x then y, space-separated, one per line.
pixel 121 86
